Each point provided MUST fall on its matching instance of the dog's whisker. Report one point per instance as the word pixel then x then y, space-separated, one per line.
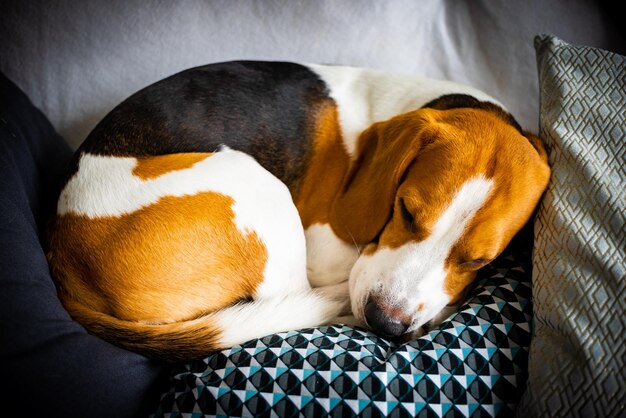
pixel 356 246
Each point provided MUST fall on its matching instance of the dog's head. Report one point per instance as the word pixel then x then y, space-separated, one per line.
pixel 433 196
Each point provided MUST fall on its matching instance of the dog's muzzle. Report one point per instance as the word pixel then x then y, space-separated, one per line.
pixel 382 320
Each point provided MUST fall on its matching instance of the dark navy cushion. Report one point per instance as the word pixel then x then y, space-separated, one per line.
pixel 50 365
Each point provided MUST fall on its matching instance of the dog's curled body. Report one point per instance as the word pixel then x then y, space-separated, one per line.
pixel 181 227
pixel 166 247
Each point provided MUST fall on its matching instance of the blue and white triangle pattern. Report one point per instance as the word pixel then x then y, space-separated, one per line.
pixel 474 364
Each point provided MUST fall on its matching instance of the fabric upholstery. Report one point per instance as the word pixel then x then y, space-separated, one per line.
pixel 77 59
pixel 578 356
pixel 50 366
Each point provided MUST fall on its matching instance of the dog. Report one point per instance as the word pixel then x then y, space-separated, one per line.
pixel 239 199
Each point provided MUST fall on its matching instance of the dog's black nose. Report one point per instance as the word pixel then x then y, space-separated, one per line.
pixel 382 322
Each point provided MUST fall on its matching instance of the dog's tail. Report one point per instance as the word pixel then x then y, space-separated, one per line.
pixel 190 339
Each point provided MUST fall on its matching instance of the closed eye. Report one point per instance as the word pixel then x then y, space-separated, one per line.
pixel 475 264
pixel 407 217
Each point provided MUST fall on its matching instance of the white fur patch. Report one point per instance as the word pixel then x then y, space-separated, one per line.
pixel 106 186
pixel 266 316
pixel 416 271
pixel 329 259
pixel 365 96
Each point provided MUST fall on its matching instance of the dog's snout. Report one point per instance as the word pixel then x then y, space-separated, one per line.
pixel 383 320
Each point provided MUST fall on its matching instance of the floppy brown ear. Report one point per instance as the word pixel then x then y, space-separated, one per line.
pixel 385 150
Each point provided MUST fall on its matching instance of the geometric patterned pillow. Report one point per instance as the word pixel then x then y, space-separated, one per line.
pixel 475 363
pixel 577 364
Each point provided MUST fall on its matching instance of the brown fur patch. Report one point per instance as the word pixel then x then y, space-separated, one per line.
pixel 163 263
pixel 173 342
pixel 152 167
pixel 328 165
pixel 455 145
pixel 520 176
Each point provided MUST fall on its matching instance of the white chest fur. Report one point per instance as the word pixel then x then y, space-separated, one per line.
pixel 329 259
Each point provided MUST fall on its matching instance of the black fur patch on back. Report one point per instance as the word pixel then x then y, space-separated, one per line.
pixel 266 109
pixel 455 101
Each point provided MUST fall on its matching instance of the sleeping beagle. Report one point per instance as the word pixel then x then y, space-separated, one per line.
pixel 239 199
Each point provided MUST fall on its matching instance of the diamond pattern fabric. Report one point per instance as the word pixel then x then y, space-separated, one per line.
pixel 577 363
pixel 473 365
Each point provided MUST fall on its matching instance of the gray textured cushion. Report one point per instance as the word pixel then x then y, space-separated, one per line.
pixel 577 363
